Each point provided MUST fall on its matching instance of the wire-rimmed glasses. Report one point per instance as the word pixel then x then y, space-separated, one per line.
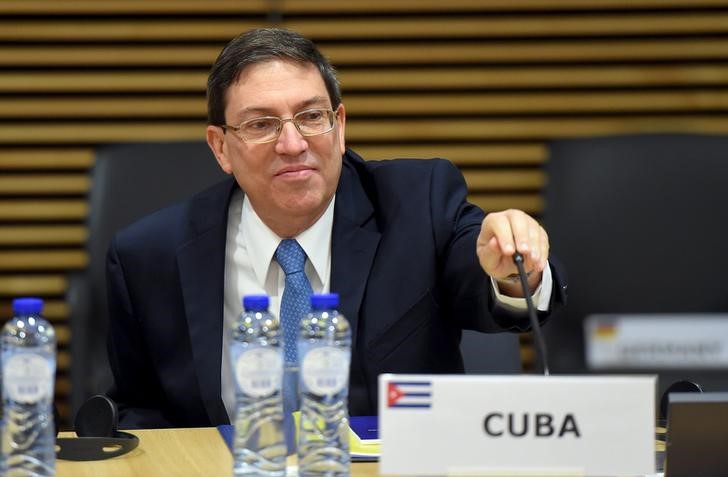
pixel 310 122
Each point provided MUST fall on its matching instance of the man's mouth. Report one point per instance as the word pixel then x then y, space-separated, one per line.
pixel 295 172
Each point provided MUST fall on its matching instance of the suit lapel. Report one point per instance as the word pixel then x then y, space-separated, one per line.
pixel 354 242
pixel 201 263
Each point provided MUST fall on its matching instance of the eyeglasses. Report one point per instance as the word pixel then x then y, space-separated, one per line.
pixel 310 122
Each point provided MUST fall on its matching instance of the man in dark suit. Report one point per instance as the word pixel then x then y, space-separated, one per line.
pixel 413 261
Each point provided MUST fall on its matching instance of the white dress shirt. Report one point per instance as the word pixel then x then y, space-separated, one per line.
pixel 250 269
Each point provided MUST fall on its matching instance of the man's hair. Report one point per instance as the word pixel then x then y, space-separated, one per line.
pixel 258 46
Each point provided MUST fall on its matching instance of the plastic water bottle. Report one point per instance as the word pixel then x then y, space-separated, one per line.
pixel 257 361
pixel 29 369
pixel 324 353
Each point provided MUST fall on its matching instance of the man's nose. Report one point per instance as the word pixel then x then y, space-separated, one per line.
pixel 290 141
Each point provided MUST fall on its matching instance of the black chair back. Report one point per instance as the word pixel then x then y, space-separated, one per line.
pixel 491 353
pixel 641 224
pixel 129 181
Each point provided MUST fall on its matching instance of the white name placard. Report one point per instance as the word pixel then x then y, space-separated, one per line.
pixel 662 341
pixel 517 425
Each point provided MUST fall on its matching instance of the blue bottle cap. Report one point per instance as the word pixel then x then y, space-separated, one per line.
pixel 325 301
pixel 27 306
pixel 255 302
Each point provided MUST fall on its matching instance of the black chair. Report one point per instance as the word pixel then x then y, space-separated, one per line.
pixel 491 353
pixel 640 223
pixel 128 182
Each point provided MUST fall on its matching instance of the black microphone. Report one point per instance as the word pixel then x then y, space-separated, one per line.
pixel 537 335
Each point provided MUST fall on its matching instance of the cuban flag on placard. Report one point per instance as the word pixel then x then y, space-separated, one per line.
pixel 409 394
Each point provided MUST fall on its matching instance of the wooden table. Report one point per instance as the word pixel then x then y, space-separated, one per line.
pixel 184 452
pixel 174 452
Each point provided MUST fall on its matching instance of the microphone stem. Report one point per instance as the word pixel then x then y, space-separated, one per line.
pixel 535 326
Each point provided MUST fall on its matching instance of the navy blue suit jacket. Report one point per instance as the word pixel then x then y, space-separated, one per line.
pixel 403 263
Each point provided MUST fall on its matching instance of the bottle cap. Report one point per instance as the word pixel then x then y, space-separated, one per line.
pixel 255 302
pixel 325 301
pixel 27 306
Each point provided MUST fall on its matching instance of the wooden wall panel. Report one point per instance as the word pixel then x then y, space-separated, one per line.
pixel 485 83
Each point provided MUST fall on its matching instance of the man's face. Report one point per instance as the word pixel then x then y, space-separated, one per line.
pixel 291 180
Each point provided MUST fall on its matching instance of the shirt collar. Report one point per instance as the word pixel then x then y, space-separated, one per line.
pixel 262 242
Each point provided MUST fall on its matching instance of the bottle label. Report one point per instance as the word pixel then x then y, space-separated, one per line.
pixel 325 370
pixel 28 378
pixel 259 371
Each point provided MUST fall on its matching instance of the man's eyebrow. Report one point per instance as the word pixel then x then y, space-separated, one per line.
pixel 254 111
pixel 315 101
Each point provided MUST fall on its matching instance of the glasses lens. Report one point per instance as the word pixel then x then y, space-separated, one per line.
pixel 314 121
pixel 260 129
pixel 309 123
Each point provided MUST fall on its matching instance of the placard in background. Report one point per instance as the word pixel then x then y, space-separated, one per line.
pixel 656 341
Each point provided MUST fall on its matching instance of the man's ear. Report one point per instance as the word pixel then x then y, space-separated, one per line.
pixel 341 119
pixel 216 141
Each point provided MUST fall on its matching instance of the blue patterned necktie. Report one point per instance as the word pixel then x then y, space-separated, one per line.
pixel 295 303
pixel 296 300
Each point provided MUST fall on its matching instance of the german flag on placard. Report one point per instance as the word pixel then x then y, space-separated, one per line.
pixel 605 331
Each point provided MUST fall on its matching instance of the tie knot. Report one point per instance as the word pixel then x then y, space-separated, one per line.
pixel 290 256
